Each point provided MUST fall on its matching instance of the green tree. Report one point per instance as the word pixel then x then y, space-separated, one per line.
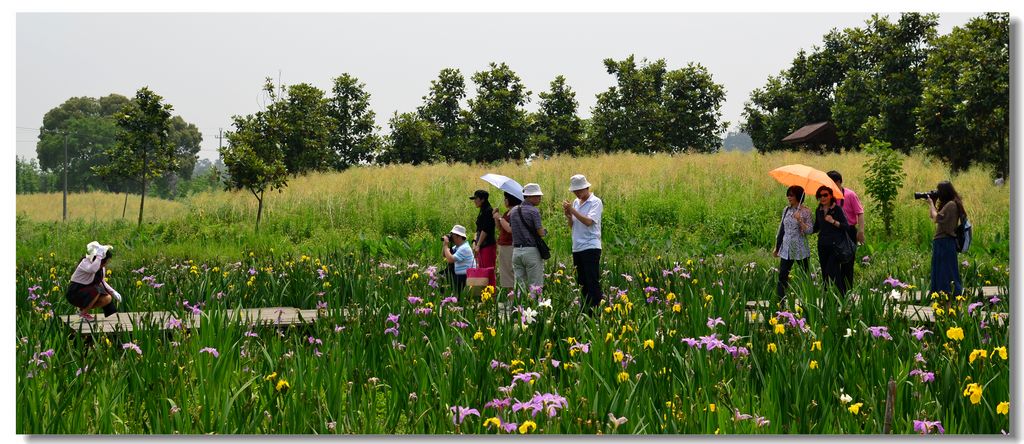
pixel 884 179
pixel 27 177
pixel 254 158
pixel 556 128
pixel 144 149
pixel 187 142
pixel 353 135
pixel 412 140
pixel 441 108
pixel 498 123
pixel 880 92
pixel 693 110
pixel 90 128
pixel 300 122
pixel 629 116
pixel 964 117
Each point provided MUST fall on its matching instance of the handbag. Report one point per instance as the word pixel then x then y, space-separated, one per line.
pixel 542 247
pixel 480 277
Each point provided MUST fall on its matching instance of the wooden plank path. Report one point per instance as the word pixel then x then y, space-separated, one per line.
pixel 906 308
pixel 130 321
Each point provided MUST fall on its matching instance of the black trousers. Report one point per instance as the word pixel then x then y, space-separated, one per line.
pixel 831 268
pixel 785 265
pixel 588 274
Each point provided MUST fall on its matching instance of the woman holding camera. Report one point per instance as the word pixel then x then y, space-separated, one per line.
pixel 830 224
pixel 462 258
pixel 946 212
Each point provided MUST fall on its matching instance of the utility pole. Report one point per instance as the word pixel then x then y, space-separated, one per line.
pixel 220 139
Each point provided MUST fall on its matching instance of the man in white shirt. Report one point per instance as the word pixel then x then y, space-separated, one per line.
pixel 584 218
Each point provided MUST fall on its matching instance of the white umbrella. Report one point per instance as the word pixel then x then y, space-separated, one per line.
pixel 505 184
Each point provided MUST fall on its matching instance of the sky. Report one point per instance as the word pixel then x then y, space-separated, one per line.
pixel 211 66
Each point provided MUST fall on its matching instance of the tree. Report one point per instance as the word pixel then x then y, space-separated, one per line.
pixel 556 127
pixel 693 110
pixel 27 177
pixel 441 108
pixel 880 92
pixel 412 140
pixel 353 132
pixel 629 116
pixel 187 141
pixel 90 128
pixel 884 179
pixel 144 149
pixel 865 80
pixel 299 121
pixel 254 159
pixel 498 123
pixel 964 117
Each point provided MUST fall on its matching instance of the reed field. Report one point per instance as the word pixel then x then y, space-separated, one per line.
pixel 672 348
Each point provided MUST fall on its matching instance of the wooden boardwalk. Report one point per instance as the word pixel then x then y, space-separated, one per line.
pixel 160 320
pixel 902 306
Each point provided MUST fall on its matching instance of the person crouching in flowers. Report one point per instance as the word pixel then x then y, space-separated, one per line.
pixel 89 288
pixel 461 258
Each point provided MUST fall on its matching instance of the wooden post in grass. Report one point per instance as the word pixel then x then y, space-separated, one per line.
pixel 890 405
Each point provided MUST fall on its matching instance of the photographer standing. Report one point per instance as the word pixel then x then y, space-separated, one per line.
pixel 947 213
pixel 462 258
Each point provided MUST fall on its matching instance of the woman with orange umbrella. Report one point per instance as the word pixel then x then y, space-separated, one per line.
pixel 830 224
pixel 791 241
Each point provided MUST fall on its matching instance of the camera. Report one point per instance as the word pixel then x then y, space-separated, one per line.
pixel 444 237
pixel 933 194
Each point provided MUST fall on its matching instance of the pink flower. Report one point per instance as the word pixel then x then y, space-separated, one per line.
pixel 211 351
pixel 880 332
pixel 713 322
pixel 131 346
pixel 459 413
pixel 925 427
pixel 919 332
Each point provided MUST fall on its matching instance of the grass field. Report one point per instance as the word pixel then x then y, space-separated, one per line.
pixel 672 350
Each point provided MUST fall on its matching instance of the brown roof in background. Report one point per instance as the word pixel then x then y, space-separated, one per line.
pixel 821 132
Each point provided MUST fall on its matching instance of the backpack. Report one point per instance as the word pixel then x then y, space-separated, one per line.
pixel 963 235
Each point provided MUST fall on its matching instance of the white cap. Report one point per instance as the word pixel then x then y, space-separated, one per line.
pixel 578 182
pixel 460 230
pixel 532 189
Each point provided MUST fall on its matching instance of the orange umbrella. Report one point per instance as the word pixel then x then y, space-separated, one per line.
pixel 806 177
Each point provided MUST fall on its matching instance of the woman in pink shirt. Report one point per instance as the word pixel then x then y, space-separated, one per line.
pixel 854 213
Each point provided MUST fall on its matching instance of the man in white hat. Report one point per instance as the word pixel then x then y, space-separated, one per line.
pixel 584 218
pixel 526 232
pixel 462 258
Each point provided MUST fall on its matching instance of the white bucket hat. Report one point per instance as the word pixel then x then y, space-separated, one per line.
pixel 532 189
pixel 578 182
pixel 96 249
pixel 460 230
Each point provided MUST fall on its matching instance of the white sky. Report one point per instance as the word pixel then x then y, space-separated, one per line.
pixel 211 66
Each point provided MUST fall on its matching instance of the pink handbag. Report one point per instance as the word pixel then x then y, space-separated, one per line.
pixel 480 277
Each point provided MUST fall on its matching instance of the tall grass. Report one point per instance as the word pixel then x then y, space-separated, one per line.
pixel 654 204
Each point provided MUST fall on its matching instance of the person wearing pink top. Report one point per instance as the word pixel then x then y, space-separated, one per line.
pixel 854 212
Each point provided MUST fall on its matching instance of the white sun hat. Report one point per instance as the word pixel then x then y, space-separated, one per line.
pixel 532 189
pixel 578 182
pixel 460 230
pixel 96 249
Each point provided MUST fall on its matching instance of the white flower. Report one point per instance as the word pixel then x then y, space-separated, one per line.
pixel 849 333
pixel 529 315
pixel 895 294
pixel 845 398
pixel 545 303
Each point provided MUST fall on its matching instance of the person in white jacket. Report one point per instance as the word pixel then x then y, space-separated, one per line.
pixel 89 288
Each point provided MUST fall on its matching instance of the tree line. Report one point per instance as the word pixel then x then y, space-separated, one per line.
pixel 900 83
pixel 897 83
